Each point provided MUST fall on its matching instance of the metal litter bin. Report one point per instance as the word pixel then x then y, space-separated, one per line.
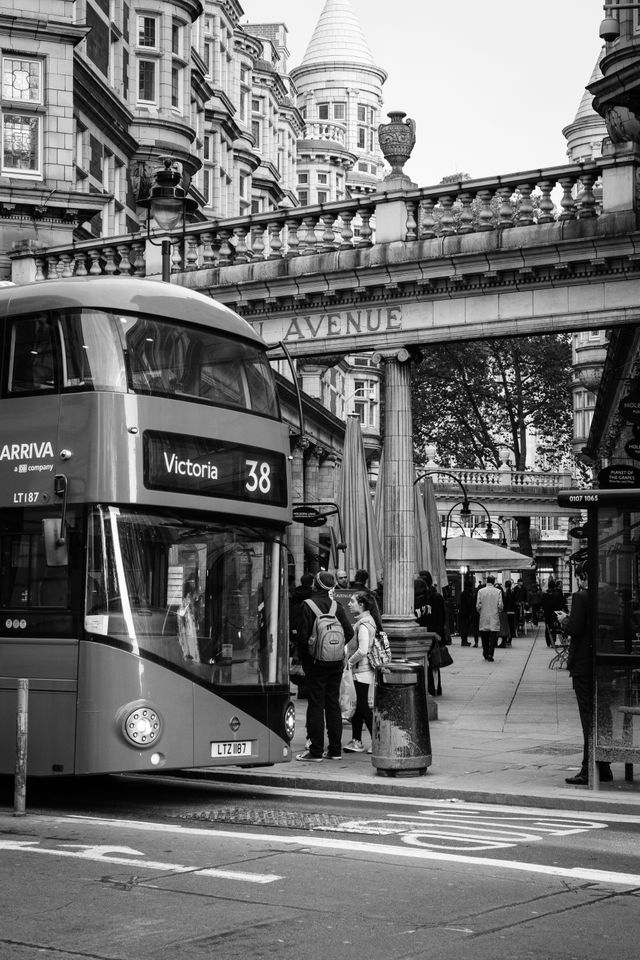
pixel 401 743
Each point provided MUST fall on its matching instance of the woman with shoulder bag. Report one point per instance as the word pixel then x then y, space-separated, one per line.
pixel 368 622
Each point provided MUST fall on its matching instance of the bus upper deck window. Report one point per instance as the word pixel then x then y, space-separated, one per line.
pixel 32 357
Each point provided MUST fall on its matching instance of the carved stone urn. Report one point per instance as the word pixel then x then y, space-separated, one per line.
pixel 397 140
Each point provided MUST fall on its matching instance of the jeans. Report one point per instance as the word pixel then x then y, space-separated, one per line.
pixel 364 713
pixel 323 705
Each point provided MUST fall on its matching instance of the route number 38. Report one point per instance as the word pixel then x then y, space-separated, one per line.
pixel 259 477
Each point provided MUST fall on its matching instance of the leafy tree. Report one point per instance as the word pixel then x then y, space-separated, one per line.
pixel 473 400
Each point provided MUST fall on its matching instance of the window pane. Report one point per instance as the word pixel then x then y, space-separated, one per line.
pixel 147 36
pixel 92 355
pixel 20 142
pixel 339 111
pixel 32 363
pixel 323 111
pixel 21 79
pixel 147 80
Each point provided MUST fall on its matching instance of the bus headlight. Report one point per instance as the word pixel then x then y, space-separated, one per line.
pixel 141 725
pixel 290 720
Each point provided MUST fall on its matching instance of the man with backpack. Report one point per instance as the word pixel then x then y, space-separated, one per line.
pixel 323 632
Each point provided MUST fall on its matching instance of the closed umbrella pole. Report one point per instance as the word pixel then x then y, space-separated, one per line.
pixel 356 507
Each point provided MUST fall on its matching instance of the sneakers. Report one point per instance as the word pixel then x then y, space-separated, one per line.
pixel 306 755
pixel 370 750
pixel 354 746
pixel 331 756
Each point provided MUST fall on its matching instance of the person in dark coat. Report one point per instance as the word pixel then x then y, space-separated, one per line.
pixel 323 679
pixel 580 669
pixel 468 617
pixel 510 606
pixel 433 618
pixel 300 593
pixel 552 601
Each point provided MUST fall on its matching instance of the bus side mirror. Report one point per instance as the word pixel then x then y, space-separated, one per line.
pixel 56 552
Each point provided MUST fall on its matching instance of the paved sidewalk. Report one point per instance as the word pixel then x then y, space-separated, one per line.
pixel 507 732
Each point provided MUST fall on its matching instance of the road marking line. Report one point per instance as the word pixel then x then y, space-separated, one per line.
pixel 101 854
pixel 354 846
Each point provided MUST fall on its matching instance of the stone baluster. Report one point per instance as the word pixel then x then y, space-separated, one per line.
pixel 465 223
pixel 138 259
pixel 567 203
pixel 275 240
pixel 81 264
pixel 177 256
pixel 346 233
pixel 447 222
pixel 293 240
pixel 52 267
pixel 257 242
pixel 485 213
pixel 412 220
pixel 428 225
pixel 191 251
pixel 366 232
pixel 39 261
pixel 309 243
pixel 505 207
pixel 587 201
pixel 546 206
pixel 328 239
pixel 95 269
pixel 524 216
pixel 65 265
pixel 206 239
pixel 226 250
pixel 126 264
pixel 242 252
pixel 109 256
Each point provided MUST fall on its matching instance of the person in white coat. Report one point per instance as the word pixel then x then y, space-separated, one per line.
pixel 489 606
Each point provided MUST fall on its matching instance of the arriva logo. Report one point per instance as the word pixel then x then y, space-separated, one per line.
pixel 26 451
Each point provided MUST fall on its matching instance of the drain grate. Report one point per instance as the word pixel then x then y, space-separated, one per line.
pixel 261 817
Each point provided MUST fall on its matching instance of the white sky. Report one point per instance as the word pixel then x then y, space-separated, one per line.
pixel 490 83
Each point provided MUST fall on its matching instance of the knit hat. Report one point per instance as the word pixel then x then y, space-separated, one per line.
pixel 324 580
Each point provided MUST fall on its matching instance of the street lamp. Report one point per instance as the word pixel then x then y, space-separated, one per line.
pixel 465 506
pixel 167 203
pixel 465 512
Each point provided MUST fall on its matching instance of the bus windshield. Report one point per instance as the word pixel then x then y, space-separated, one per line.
pixel 201 596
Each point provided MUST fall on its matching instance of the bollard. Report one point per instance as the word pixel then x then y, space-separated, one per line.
pixel 22 728
pixel 401 743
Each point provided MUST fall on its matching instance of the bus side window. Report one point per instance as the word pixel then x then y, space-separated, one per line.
pixel 32 363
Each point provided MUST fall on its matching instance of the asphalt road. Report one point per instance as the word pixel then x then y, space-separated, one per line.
pixel 127 869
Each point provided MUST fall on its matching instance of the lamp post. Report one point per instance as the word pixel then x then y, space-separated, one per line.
pixel 168 204
pixel 465 512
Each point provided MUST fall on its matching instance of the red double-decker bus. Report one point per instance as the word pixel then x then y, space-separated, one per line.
pixel 143 500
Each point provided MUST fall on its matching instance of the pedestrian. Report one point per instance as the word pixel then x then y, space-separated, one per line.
pixel 299 594
pixel 467 614
pixel 343 580
pixel 364 607
pixel 360 580
pixel 552 601
pixel 434 619
pixel 580 670
pixel 510 603
pixel 323 679
pixel 489 606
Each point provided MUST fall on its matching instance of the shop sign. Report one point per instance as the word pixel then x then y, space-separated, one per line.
pixel 632 449
pixel 630 408
pixel 619 475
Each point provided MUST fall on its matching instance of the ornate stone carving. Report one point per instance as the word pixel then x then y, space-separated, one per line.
pixel 397 140
pixel 622 124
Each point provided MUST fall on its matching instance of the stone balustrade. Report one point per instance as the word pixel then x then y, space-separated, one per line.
pixel 504 477
pixel 474 206
pixel 326 130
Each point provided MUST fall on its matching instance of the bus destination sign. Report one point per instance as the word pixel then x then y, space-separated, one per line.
pixel 213 468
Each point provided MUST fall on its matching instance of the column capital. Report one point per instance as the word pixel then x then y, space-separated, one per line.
pixel 400 355
pixel 300 446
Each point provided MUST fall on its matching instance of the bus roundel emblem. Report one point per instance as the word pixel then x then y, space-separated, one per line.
pixel 234 723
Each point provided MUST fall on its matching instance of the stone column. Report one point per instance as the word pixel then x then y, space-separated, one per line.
pixel 311 466
pixel 296 530
pixel 408 640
